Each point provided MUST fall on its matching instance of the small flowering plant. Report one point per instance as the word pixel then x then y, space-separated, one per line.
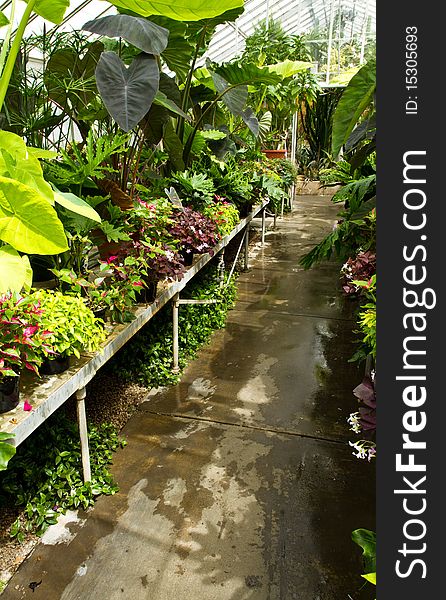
pixel 70 323
pixel 23 338
pixel 364 420
pixel 162 261
pixel 224 214
pixel 194 231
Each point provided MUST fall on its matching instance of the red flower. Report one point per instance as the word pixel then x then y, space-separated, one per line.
pixel 27 406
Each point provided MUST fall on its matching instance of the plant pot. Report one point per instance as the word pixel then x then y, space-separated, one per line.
pixel 271 153
pixel 188 258
pixel 9 393
pixel 147 295
pixel 99 313
pixel 55 365
pixel 245 210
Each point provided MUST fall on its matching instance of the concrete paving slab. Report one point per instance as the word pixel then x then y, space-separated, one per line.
pixel 278 372
pixel 214 512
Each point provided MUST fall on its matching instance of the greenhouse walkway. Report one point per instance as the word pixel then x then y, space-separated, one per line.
pixel 238 483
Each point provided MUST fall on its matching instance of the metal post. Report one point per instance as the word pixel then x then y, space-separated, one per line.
pixel 221 268
pixel 175 308
pixel 82 420
pixel 330 42
pixel 263 226
pixel 247 247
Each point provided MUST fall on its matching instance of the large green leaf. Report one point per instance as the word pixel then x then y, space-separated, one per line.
pixel 179 51
pixel 19 162
pixel 234 97
pixel 76 205
pixel 7 451
pixel 139 32
pixel 27 221
pixel 15 270
pixel 370 577
pixel 173 146
pixel 179 10
pixel 127 93
pixel 288 68
pixel 162 100
pixel 52 10
pixel 250 119
pixel 366 539
pixel 356 97
pixel 244 74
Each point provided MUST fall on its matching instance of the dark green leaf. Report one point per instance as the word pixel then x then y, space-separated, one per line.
pixel 366 539
pixel 356 97
pixel 127 93
pixel 139 32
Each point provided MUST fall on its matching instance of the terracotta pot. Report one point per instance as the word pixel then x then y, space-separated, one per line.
pixel 274 153
pixel 55 365
pixel 9 393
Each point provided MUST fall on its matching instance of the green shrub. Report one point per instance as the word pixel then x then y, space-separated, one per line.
pixel 45 475
pixel 147 358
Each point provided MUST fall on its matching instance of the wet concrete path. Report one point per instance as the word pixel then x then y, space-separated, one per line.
pixel 238 483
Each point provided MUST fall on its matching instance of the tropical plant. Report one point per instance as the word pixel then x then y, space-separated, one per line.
pixel 366 539
pixel 269 44
pixel 361 267
pixel 7 450
pixel 72 326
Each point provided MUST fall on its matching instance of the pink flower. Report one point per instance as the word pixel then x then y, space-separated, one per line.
pixel 137 284
pixel 27 406
pixel 111 259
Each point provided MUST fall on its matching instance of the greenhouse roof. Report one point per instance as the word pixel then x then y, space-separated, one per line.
pixel 323 22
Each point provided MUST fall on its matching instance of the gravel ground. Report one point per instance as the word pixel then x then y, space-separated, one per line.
pixel 109 400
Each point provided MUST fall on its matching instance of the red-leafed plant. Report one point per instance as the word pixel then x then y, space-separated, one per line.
pixel 22 339
pixel 194 232
pixel 362 267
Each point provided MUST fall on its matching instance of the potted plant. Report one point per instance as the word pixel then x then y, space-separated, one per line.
pixel 194 232
pixel 273 145
pixel 23 344
pixel 224 214
pixel 72 328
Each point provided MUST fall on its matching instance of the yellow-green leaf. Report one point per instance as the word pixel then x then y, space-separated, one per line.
pixel 371 577
pixel 287 68
pixel 15 271
pixel 179 10
pixel 52 10
pixel 27 221
pixel 77 205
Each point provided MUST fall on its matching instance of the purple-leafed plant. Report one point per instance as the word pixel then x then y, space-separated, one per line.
pixel 22 340
pixel 163 263
pixel 193 231
pixel 365 393
pixel 362 267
